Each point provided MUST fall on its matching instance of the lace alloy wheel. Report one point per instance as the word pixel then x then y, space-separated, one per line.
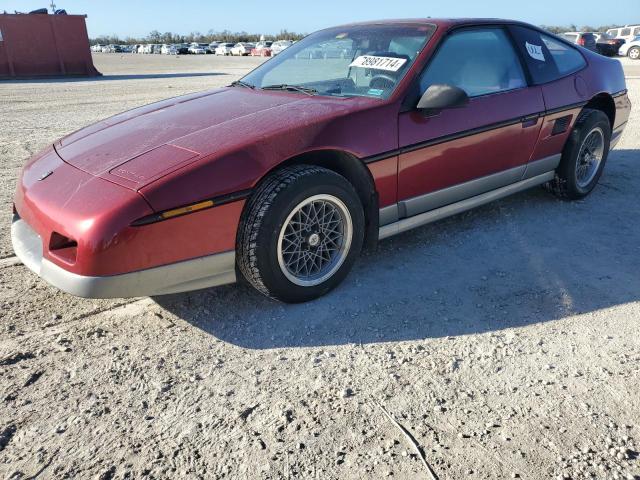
pixel 314 240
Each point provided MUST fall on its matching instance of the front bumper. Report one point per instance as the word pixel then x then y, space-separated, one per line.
pixel 194 274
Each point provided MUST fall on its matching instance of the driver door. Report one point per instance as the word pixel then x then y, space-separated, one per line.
pixel 462 152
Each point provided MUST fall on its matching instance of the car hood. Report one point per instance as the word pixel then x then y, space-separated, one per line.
pixel 141 144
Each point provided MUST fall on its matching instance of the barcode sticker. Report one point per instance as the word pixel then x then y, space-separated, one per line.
pixel 389 64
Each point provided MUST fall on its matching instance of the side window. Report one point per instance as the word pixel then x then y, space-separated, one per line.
pixel 636 31
pixel 547 58
pixel 479 61
pixel 567 59
pixel 625 32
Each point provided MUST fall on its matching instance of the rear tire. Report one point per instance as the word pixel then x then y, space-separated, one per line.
pixel 300 234
pixel 583 157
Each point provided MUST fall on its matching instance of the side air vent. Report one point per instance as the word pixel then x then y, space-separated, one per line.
pixel 561 124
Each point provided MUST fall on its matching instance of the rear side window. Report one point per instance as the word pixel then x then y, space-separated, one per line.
pixel 567 59
pixel 548 58
pixel 480 61
pixel 625 32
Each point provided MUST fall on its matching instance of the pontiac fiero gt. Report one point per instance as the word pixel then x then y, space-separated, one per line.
pixel 353 134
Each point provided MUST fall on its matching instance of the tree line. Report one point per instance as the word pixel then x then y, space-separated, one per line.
pixel 235 37
pixel 211 36
pixel 575 28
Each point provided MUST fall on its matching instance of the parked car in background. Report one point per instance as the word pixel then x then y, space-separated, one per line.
pixel 97 48
pixel 627 33
pixel 584 39
pixel 242 48
pixel 224 49
pixel 112 49
pixel 279 45
pixel 169 49
pixel 204 46
pixel 262 49
pixel 429 119
pixel 631 49
pixel 608 45
pixel 182 48
pixel 213 46
pixel 196 49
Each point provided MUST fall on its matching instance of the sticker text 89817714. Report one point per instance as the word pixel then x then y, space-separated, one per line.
pixel 390 64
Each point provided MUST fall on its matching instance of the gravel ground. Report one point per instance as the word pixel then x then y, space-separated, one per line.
pixel 504 339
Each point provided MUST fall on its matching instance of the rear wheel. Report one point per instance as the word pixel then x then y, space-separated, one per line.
pixel 583 157
pixel 300 234
pixel 634 53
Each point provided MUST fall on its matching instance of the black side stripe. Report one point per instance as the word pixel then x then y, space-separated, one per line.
pixel 565 108
pixel 467 133
pixel 217 202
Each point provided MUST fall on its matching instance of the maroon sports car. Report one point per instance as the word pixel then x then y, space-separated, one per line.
pixel 357 133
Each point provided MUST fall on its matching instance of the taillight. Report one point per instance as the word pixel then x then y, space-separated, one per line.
pixel 581 41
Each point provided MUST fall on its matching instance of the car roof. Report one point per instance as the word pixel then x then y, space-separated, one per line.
pixel 439 22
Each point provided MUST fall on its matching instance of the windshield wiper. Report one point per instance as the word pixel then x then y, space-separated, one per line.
pixel 295 88
pixel 240 83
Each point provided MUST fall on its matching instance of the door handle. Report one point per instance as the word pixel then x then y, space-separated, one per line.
pixel 529 120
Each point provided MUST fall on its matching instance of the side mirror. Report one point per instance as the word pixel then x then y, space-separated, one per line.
pixel 441 96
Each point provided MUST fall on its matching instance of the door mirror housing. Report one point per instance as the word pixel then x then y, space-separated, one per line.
pixel 441 96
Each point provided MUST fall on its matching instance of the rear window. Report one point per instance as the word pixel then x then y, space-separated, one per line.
pixel 571 38
pixel 548 58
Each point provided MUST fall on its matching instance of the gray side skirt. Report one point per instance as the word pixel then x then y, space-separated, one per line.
pixel 417 211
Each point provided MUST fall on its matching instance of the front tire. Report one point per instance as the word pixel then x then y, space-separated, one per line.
pixel 300 234
pixel 583 157
pixel 634 53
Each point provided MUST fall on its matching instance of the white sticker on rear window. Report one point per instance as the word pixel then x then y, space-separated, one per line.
pixel 390 64
pixel 535 51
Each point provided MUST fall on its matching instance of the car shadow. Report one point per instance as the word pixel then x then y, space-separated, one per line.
pixel 526 259
pixel 106 78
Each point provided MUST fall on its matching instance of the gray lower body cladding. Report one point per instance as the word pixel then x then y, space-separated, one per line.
pixel 423 209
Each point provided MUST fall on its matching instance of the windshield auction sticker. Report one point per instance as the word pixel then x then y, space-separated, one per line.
pixel 389 64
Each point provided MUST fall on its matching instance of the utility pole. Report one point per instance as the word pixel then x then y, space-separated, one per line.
pixel 53 7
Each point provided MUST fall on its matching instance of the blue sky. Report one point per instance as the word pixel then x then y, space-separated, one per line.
pixel 139 17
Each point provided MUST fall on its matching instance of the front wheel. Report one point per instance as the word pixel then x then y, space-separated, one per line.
pixel 300 234
pixel 583 157
pixel 634 53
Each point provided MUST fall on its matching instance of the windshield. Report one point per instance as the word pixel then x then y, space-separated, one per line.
pixel 362 60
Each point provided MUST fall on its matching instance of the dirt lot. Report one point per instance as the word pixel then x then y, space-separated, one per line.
pixel 504 339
